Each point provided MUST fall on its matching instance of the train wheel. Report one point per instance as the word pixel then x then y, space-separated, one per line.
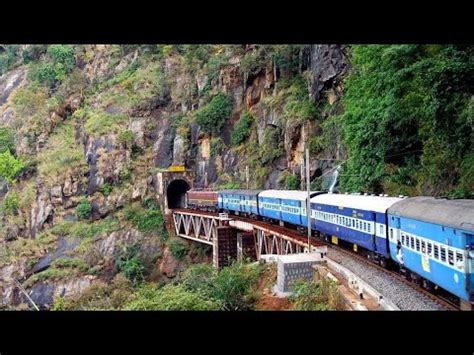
pixel 383 263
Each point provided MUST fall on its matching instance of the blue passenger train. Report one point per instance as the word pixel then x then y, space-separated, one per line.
pixel 429 239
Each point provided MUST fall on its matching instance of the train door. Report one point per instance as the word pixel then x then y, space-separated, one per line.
pixel 469 266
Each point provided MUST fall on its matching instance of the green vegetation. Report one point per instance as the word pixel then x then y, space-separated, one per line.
pixel 30 104
pixel 7 142
pixel 126 138
pixel 147 219
pixel 178 248
pixel 11 203
pixel 106 189
pixel 84 209
pixel 170 298
pixel 252 63
pixel 290 181
pixel 56 67
pixel 272 147
pixel 212 116
pixel 130 264
pixel 316 296
pixel 100 296
pixel 70 263
pixel 242 129
pixel 33 53
pixel 64 155
pixel 10 167
pixel 8 58
pixel 100 123
pixel 86 230
pixel 408 112
pixel 217 146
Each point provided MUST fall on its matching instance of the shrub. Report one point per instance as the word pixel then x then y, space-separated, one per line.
pixel 130 264
pixel 106 189
pixel 11 203
pixel 212 116
pixel 146 220
pixel 10 167
pixel 178 248
pixel 33 53
pixel 292 182
pixel 170 298
pixel 61 62
pixel 242 129
pixel 316 296
pixel 126 138
pixel 8 58
pixel 84 209
pixel 199 277
pixel 233 286
pixel 99 296
pixel 217 145
pixel 252 63
pixel 6 140
pixel 272 146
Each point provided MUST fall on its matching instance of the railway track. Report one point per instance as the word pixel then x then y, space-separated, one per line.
pixel 440 301
pixel 446 304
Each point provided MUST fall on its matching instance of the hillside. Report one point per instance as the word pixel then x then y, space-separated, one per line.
pixel 85 128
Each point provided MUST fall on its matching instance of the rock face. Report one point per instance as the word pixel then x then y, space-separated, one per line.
pixel 10 82
pixel 118 170
pixel 169 264
pixel 329 64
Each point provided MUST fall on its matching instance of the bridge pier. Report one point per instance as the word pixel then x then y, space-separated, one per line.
pixel 225 247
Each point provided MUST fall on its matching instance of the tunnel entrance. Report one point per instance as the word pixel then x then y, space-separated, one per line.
pixel 176 193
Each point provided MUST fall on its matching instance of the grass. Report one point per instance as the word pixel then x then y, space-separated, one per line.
pixel 82 229
pixel 63 156
pixel 100 123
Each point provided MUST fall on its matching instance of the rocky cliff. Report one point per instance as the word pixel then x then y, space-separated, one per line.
pixel 91 124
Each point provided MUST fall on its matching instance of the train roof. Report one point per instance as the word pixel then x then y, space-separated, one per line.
pixel 241 192
pixel 457 213
pixel 367 203
pixel 297 195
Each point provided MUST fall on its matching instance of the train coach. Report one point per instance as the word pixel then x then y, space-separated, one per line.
pixel 433 239
pixel 356 219
pixel 285 205
pixel 243 202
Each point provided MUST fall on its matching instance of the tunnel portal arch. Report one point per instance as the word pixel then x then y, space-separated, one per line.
pixel 176 193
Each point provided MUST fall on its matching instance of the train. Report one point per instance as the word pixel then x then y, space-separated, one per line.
pixel 429 239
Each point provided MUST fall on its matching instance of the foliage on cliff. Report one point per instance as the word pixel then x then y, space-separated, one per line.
pixel 408 120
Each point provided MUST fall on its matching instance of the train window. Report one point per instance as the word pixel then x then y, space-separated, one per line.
pixel 381 230
pixel 403 239
pixel 391 233
pixel 357 224
pixel 459 261
pixel 412 242
pixel 423 247
pixel 450 257
pixel 417 244
pixel 430 248
pixel 436 251
pixel 443 254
